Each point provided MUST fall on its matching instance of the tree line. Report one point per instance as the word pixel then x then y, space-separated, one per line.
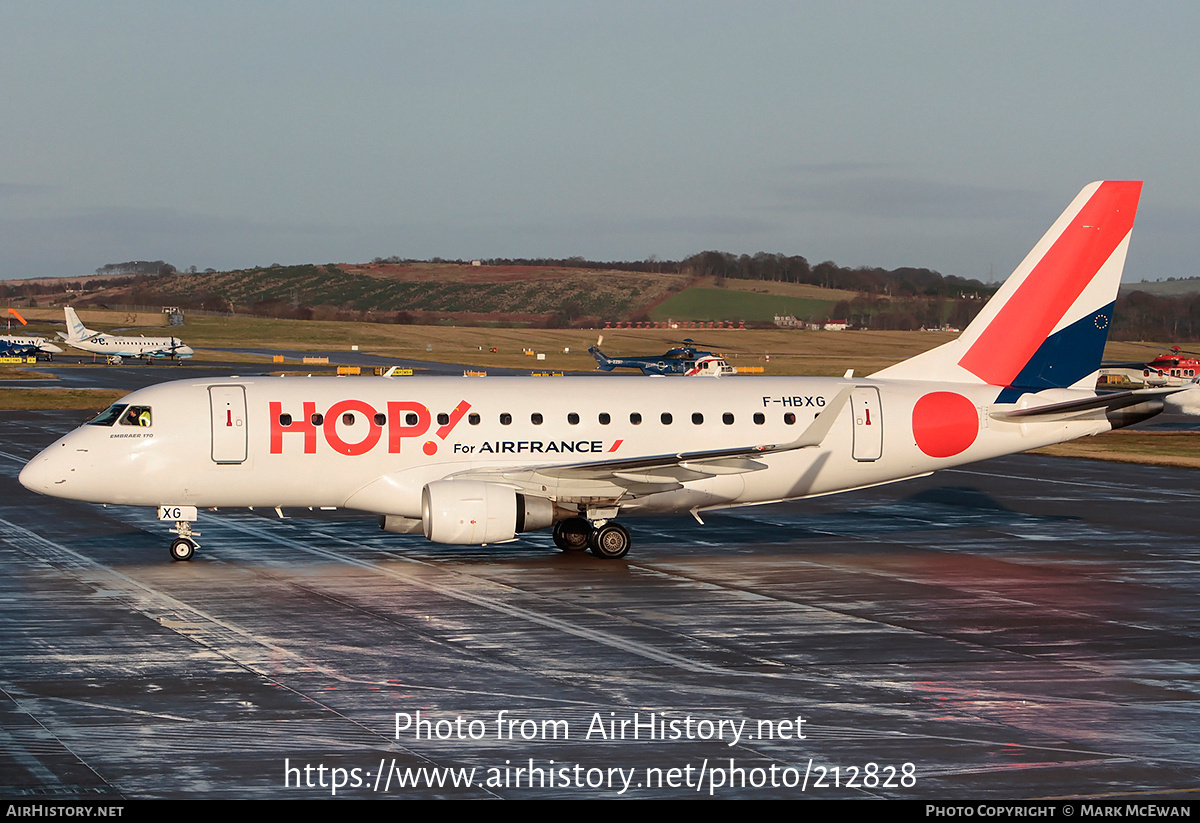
pixel 903 298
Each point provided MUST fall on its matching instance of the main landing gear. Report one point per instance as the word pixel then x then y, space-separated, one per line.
pixel 609 540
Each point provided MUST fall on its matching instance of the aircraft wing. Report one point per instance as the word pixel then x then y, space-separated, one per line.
pixel 639 476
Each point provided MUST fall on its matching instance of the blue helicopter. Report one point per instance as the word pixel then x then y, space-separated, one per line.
pixel 686 360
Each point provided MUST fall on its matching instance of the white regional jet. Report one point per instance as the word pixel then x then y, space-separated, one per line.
pixel 115 347
pixel 475 461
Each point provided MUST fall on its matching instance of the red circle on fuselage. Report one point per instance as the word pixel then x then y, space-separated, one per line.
pixel 944 424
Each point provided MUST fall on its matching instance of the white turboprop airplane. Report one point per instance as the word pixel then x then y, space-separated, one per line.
pixel 115 347
pixel 39 343
pixel 478 461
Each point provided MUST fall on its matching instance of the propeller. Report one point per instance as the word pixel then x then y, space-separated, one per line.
pixel 1171 349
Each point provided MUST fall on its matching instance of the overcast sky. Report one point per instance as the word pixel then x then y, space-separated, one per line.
pixel 946 135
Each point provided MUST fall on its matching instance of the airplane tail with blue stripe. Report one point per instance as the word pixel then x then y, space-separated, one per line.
pixel 76 331
pixel 1047 325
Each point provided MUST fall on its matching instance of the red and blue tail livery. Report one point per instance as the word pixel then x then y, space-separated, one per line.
pixel 1047 325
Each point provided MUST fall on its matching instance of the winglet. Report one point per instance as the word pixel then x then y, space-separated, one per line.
pixel 819 429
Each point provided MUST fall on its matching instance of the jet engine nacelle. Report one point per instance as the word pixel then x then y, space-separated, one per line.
pixel 471 512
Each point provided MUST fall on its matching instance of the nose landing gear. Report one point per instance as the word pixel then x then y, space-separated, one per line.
pixel 184 546
pixel 183 549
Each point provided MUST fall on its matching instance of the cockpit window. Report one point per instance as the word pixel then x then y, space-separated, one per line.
pixel 136 416
pixel 108 416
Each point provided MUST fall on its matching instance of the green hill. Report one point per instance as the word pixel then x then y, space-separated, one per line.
pixel 699 303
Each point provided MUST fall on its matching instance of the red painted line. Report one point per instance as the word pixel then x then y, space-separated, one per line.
pixel 455 416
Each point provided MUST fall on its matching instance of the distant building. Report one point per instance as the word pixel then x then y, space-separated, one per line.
pixel 786 321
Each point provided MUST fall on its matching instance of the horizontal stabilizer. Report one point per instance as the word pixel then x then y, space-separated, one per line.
pixel 1068 408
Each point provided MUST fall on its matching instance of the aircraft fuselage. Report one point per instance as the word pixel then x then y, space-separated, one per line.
pixel 373 445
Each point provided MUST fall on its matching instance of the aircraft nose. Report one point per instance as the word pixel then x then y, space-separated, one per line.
pixel 36 474
pixel 47 473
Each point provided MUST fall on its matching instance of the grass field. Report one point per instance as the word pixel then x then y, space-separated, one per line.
pixel 780 289
pixel 779 351
pixel 1165 288
pixel 13 372
pixel 699 303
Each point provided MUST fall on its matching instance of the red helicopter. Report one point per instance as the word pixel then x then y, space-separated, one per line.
pixel 1175 369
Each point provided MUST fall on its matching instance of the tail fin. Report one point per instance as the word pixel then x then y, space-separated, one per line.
pixel 604 364
pixel 76 331
pixel 1047 325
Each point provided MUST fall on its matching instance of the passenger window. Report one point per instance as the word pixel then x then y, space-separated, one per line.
pixel 536 418
pixel 285 420
pixel 697 418
pixel 727 418
pixel 347 419
pixel 108 416
pixel 789 418
pixel 473 419
pixel 317 418
pixel 573 419
pixel 505 419
pixel 411 418
pixel 759 418
pixel 136 416
pixel 666 418
pixel 380 419
pixel 635 418
pixel 443 419
pixel 604 418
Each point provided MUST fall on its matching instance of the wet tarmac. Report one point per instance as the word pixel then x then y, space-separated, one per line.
pixel 1023 628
